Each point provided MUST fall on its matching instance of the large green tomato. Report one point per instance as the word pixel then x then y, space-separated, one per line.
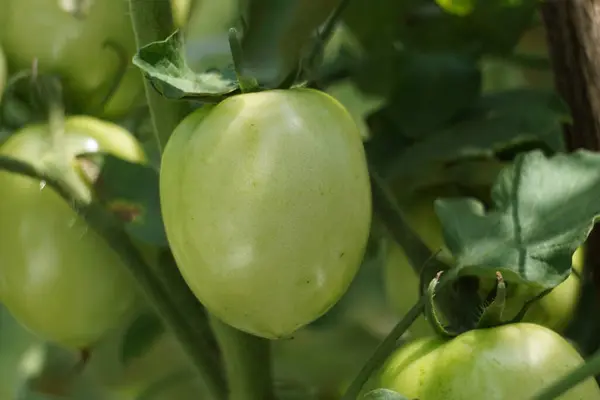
pixel 554 310
pixel 508 362
pixel 57 276
pixel 73 47
pixel 267 207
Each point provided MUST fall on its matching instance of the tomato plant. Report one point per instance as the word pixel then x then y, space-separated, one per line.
pixel 511 361
pixel 271 249
pixel 272 237
pixel 58 276
pixel 89 45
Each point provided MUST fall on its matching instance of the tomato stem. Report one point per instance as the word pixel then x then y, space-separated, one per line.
pixel 384 349
pixel 588 370
pixel 391 217
pixel 243 354
pixel 247 84
pixel 153 21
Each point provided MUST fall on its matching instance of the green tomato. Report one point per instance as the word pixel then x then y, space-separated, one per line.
pixel 267 207
pixel 74 48
pixel 508 362
pixel 58 277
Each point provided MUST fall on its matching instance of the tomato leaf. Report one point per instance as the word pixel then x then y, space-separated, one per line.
pixel 164 64
pixel 497 122
pixel 383 394
pixel 144 331
pixel 427 89
pixel 131 192
pixel 542 210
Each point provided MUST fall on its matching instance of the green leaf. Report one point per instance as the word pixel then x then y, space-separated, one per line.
pixel 164 64
pixel 498 122
pixel 542 210
pixel 131 191
pixel 145 330
pixel 383 394
pixel 425 90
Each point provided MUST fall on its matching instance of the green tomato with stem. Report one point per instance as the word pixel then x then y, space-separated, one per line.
pixel 512 361
pixel 267 207
pixel 59 278
pixel 88 44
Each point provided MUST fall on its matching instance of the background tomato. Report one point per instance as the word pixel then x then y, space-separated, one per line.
pixel 507 362
pixel 73 46
pixel 273 247
pixel 58 277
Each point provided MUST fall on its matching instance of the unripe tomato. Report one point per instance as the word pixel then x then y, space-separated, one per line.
pixel 267 207
pixel 57 276
pixel 74 48
pixel 507 362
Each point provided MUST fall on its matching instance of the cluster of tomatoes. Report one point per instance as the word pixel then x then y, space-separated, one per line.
pixel 266 202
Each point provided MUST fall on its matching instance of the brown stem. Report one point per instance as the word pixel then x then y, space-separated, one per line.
pixel 573 34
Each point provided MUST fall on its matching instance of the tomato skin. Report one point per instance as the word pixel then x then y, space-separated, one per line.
pixel 507 362
pixel 58 278
pixel 267 207
pixel 74 49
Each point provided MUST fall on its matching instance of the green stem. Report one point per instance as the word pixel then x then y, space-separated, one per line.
pixel 384 349
pixel 176 315
pixel 247 362
pixel 386 208
pixel 589 369
pixel 153 21
pixel 247 84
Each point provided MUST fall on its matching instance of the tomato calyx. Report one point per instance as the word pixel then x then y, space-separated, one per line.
pixel 452 321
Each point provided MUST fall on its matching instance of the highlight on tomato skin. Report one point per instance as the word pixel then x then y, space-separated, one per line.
pixel 511 361
pixel 59 278
pixel 267 208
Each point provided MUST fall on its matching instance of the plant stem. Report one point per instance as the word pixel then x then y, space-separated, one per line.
pixel 383 350
pixel 153 21
pixel 103 222
pixel 386 208
pixel 249 376
pixel 590 369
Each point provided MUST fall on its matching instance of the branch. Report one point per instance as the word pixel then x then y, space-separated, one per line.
pixel 384 349
pixel 573 34
pixel 386 208
pixel 176 315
